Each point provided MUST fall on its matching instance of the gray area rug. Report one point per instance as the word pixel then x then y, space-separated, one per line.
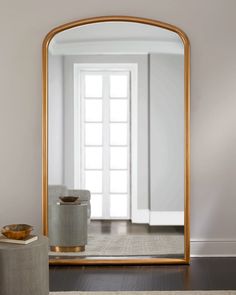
pixel 126 245
pixel 148 293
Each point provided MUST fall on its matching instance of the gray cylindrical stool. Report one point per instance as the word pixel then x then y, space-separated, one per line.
pixel 24 269
pixel 68 227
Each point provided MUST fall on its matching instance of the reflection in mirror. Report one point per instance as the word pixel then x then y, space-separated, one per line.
pixel 116 109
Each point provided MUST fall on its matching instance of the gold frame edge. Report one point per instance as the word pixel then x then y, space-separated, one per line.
pixel 186 43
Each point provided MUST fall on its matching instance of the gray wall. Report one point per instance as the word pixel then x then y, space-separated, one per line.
pixel 210 26
pixel 55 120
pixel 166 75
pixel 142 62
pixel 166 132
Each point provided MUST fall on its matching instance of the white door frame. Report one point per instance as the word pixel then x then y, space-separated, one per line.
pixel 133 69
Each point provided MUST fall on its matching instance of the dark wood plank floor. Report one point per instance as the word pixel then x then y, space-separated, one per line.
pixel 127 227
pixel 202 274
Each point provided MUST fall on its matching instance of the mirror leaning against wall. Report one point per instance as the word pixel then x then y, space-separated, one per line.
pixel 116 142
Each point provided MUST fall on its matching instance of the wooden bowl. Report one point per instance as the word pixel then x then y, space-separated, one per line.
pixel 17 231
pixel 68 199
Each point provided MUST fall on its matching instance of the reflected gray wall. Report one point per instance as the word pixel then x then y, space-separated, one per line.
pixel 166 132
pixel 142 62
pixel 55 120
pixel 166 171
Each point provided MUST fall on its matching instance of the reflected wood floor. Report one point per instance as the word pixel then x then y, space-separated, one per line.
pixel 127 227
pixel 202 274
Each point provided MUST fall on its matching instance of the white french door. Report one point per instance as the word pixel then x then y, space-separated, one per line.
pixel 104 124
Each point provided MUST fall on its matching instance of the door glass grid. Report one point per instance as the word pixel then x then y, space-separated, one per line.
pixel 105 149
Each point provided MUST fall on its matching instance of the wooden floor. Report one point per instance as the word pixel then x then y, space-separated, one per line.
pixel 129 228
pixel 202 274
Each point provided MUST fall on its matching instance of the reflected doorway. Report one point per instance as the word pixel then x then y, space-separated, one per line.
pixel 103 138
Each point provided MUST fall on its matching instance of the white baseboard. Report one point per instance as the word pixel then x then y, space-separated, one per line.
pixel 212 248
pixel 158 217
pixel 140 216
pixel 166 218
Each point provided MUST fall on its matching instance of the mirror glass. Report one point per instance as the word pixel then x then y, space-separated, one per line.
pixel 116 142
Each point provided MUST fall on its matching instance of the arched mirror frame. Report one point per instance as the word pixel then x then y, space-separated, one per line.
pixel 185 40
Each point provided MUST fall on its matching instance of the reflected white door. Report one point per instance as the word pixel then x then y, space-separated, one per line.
pixel 105 141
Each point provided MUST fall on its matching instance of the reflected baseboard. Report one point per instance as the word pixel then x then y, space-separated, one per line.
pixel 158 217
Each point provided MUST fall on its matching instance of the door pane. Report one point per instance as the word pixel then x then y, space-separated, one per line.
pixel 93 158
pixel 93 85
pixel 118 205
pixel 118 134
pixel 93 133
pixel 93 110
pixel 118 86
pixel 118 158
pixel 118 110
pixel 96 205
pixel 93 181
pixel 118 181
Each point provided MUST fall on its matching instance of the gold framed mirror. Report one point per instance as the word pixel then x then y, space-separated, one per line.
pixel 116 138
